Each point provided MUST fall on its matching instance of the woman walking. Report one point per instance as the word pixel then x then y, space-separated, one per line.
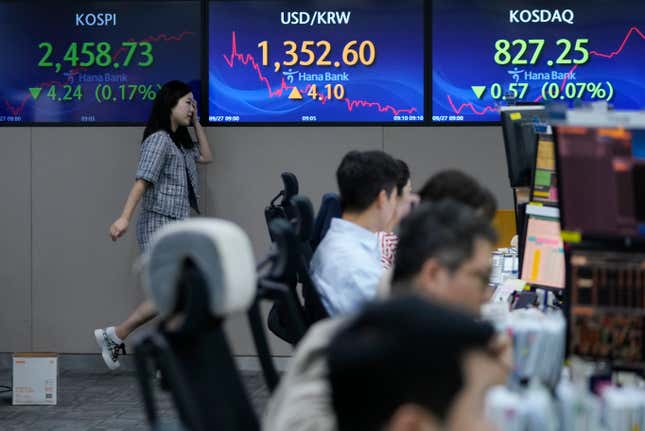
pixel 167 181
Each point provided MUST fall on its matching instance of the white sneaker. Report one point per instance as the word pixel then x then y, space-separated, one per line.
pixel 110 350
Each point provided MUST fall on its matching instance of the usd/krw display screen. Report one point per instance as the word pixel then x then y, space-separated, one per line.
pixel 96 61
pixel 279 61
pixel 534 51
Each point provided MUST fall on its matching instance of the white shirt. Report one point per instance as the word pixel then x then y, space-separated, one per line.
pixel 346 267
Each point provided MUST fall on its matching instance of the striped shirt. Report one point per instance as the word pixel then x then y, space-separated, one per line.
pixel 387 242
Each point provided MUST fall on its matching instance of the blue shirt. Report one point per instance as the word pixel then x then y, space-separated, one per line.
pixel 346 267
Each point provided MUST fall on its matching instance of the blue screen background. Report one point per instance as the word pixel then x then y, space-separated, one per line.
pixel 172 27
pixel 463 50
pixel 393 85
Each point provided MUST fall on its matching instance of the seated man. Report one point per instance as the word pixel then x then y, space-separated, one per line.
pixel 451 269
pixel 346 266
pixel 409 365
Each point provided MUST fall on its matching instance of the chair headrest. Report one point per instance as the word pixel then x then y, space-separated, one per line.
pixel 220 250
pixel 291 186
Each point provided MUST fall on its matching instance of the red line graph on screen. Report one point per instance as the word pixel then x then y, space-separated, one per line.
pixel 618 51
pixel 73 72
pixel 472 108
pixel 247 59
pixel 622 45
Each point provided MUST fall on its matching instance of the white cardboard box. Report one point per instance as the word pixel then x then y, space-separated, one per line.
pixel 35 378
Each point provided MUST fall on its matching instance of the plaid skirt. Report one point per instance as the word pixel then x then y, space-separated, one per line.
pixel 147 224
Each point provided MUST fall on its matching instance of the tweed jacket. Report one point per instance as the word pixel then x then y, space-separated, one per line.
pixel 168 169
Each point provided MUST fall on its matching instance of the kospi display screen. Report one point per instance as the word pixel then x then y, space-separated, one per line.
pixel 351 61
pixel 93 61
pixel 484 52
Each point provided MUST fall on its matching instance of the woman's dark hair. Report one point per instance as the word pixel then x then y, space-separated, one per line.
pixel 159 119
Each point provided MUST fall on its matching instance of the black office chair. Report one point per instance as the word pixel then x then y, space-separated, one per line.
pixel 330 207
pixel 293 237
pixel 198 273
pixel 297 210
pixel 281 208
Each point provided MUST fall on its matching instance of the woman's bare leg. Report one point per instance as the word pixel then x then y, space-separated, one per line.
pixel 144 313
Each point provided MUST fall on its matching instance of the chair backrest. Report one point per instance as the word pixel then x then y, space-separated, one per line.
pixel 330 207
pixel 198 272
pixel 287 317
pixel 313 306
pixel 304 224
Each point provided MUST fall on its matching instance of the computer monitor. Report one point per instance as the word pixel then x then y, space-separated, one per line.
pixel 601 179
pixel 94 61
pixel 544 189
pixel 607 312
pixel 543 253
pixel 520 139
pixel 282 62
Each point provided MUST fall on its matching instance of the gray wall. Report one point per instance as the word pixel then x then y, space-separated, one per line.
pixel 61 276
pixel 16 245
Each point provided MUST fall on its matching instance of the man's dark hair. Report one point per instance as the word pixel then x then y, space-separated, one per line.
pixel 446 230
pixel 405 350
pixel 456 185
pixel 404 176
pixel 362 175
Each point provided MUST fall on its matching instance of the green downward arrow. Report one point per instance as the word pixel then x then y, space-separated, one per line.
pixel 35 92
pixel 479 90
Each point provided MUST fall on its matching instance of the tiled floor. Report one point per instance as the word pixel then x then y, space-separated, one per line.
pixel 98 401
